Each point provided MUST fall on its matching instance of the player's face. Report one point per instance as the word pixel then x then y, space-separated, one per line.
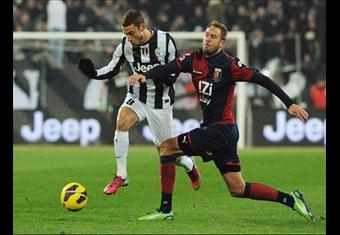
pixel 134 34
pixel 212 41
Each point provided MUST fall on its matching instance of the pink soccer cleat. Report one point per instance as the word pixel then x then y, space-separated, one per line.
pixel 195 178
pixel 113 186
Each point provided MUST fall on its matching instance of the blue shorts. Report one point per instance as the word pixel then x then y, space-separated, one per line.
pixel 217 142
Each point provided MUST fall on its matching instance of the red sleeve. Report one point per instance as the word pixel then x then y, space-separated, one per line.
pixel 240 72
pixel 184 62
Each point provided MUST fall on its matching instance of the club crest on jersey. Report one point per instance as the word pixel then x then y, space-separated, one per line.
pixel 217 73
pixel 144 51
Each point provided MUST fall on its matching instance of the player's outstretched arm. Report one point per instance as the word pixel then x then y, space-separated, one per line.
pixel 87 67
pixel 160 73
pixel 293 108
pixel 298 111
pixel 106 72
pixel 268 83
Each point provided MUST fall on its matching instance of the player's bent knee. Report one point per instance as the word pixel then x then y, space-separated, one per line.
pixel 235 183
pixel 123 126
pixel 169 147
pixel 228 168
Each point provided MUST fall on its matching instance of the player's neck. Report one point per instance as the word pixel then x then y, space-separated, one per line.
pixel 210 55
pixel 147 35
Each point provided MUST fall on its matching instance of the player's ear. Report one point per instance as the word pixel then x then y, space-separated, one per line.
pixel 222 43
pixel 142 27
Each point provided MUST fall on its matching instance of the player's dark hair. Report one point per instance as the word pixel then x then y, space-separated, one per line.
pixel 222 28
pixel 133 17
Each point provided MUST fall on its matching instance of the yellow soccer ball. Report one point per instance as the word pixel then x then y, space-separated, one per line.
pixel 73 196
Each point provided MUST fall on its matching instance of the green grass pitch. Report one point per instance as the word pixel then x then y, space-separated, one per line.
pixel 40 172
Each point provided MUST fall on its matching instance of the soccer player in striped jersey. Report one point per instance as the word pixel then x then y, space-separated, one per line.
pixel 214 74
pixel 142 48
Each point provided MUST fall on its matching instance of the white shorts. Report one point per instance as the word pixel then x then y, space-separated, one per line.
pixel 159 120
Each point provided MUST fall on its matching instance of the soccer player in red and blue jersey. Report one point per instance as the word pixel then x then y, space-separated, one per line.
pixel 214 75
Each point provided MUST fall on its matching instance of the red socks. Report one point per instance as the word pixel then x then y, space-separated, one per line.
pixel 168 173
pixel 260 192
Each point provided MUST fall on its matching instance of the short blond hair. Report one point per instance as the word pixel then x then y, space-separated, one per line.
pixel 222 28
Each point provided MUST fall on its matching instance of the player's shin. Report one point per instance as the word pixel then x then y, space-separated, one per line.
pixel 259 191
pixel 121 146
pixel 168 173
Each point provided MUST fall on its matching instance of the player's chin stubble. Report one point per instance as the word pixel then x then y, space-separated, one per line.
pixel 210 52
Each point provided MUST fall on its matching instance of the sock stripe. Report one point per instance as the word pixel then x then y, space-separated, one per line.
pixel 167 159
pixel 246 192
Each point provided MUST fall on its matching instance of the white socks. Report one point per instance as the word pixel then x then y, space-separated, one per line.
pixel 121 146
pixel 186 162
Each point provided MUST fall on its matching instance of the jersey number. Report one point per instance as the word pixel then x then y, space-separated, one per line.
pixel 130 102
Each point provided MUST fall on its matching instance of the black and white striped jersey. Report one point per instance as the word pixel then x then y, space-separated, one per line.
pixel 159 50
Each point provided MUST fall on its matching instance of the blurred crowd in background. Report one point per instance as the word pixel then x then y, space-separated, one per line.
pixel 271 26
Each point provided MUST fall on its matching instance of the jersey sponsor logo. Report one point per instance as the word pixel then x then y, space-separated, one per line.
pixel 217 73
pixel 143 67
pixel 205 89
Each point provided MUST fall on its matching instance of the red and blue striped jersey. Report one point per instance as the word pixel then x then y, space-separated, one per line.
pixel 214 79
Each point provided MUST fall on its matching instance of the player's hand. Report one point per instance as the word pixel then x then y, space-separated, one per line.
pixel 137 78
pixel 298 111
pixel 87 67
